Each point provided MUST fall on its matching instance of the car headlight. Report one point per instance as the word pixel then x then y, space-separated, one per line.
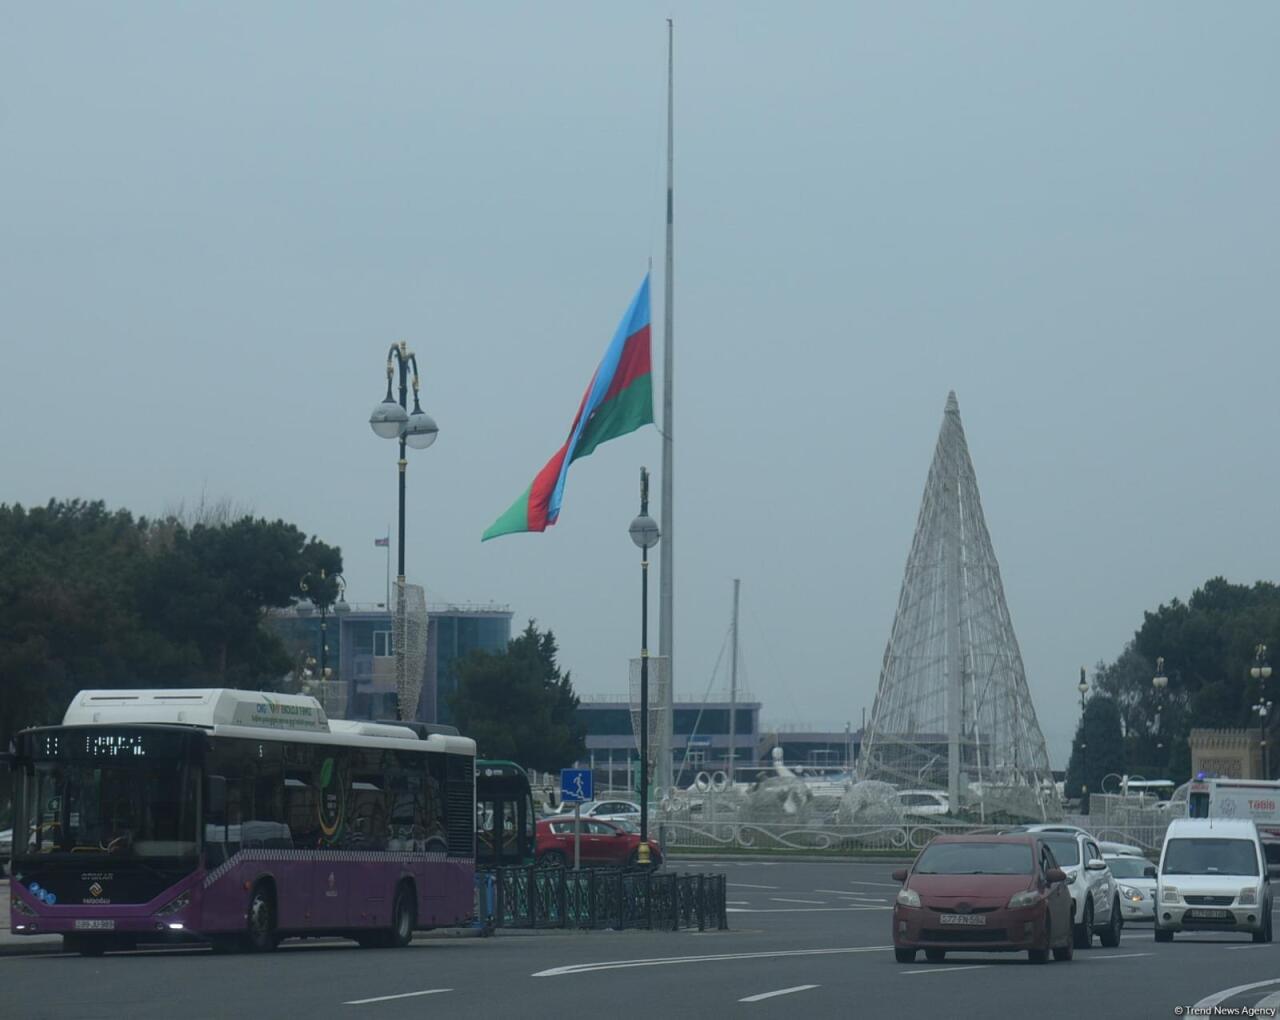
pixel 1169 894
pixel 1027 898
pixel 908 898
pixel 1131 894
pixel 1248 897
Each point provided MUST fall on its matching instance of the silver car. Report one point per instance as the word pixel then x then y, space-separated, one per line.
pixel 1136 878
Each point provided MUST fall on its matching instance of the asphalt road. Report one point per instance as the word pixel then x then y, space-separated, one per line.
pixel 807 939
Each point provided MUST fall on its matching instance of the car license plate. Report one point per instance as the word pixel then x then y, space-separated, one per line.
pixel 962 918
pixel 97 924
pixel 1210 915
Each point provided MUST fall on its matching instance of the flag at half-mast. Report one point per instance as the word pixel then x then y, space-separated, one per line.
pixel 619 400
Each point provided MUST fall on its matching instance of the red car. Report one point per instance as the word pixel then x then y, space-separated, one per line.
pixel 984 894
pixel 603 844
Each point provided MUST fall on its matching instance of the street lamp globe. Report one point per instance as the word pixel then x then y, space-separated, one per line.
pixel 1083 685
pixel 420 429
pixel 342 606
pixel 388 419
pixel 644 531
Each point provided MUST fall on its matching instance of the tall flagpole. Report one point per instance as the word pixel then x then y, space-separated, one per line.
pixel 665 586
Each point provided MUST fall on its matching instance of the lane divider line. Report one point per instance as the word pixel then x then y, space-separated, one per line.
pixel 402 995
pixel 664 961
pixel 781 991
pixel 945 970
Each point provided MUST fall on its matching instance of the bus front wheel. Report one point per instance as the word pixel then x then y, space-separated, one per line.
pixel 261 936
pixel 403 917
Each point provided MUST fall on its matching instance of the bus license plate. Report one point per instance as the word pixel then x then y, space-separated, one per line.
pixel 962 918
pixel 97 924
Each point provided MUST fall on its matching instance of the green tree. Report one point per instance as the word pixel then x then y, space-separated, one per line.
pixel 1097 751
pixel 518 705
pixel 1208 645
pixel 91 597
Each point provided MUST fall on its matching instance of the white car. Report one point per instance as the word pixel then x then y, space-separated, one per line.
pixel 1136 878
pixel 1213 877
pixel 1095 897
pixel 924 802
pixel 606 810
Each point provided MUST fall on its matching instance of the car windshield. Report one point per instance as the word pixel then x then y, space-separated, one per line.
pixel 974 859
pixel 1123 867
pixel 1066 851
pixel 1209 856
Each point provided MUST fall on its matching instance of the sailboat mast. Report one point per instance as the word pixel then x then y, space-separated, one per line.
pixel 733 685
pixel 665 584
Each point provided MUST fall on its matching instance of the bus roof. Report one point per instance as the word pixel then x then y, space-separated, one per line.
pixel 236 713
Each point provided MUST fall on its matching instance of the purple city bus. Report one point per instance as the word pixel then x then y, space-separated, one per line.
pixel 240 819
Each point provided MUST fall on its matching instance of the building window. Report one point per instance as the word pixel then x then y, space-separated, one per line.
pixel 697 758
pixel 382 646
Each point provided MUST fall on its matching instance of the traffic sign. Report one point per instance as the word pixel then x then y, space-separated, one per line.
pixel 575 785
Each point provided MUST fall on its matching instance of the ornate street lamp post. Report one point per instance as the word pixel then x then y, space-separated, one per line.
pixel 323 590
pixel 1261 671
pixel 391 420
pixel 644 533
pixel 1159 682
pixel 1083 688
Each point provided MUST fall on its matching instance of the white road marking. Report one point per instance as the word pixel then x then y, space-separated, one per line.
pixel 854 895
pixel 748 885
pixel 736 903
pixel 1272 1001
pixel 780 991
pixel 1117 956
pixel 1260 945
pixel 663 961
pixel 402 995
pixel 797 910
pixel 784 899
pixel 1217 998
pixel 886 885
pixel 947 970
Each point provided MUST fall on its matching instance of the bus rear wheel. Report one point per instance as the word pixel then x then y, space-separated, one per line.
pixel 403 917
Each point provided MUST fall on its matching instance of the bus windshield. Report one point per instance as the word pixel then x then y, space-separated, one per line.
pixel 125 809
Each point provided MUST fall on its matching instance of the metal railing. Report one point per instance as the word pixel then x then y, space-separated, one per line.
pixel 533 897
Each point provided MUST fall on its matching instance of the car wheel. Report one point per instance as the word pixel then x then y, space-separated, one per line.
pixel 1065 952
pixel 1110 935
pixel 551 859
pixel 1163 936
pixel 1038 955
pixel 1082 936
pixel 935 955
pixel 904 955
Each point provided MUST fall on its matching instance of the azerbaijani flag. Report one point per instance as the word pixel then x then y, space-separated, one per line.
pixel 619 400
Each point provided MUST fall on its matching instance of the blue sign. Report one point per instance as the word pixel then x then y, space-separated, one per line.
pixel 575 785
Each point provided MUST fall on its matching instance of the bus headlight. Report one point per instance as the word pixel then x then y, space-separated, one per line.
pixel 174 905
pixel 17 906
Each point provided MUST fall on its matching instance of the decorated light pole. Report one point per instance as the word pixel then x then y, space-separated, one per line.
pixel 644 533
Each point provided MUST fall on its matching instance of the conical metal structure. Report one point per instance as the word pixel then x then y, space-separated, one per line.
pixel 953 710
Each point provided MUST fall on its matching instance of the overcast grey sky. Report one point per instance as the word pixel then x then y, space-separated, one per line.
pixel 216 217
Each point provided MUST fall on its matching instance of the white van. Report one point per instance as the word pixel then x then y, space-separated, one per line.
pixel 1213 877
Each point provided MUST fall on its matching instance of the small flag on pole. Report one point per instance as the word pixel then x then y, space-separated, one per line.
pixel 383 542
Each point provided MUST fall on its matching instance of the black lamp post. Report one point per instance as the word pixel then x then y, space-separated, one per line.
pixel 1261 671
pixel 391 420
pixel 321 590
pixel 1159 682
pixel 1083 688
pixel 644 533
